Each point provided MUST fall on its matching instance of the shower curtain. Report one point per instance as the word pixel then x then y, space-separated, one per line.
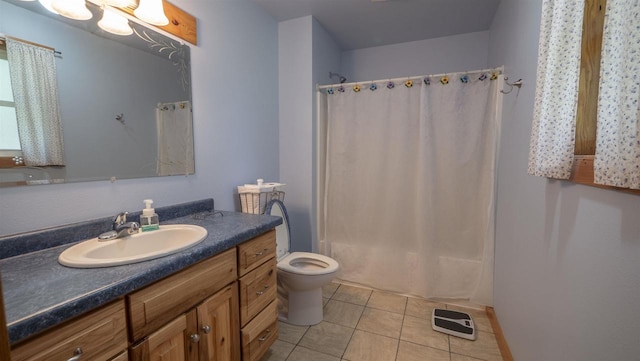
pixel 409 185
pixel 175 139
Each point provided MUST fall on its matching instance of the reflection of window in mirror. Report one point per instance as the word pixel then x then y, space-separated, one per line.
pixel 9 140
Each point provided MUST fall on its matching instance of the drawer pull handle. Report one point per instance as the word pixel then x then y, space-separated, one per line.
pixel 77 354
pixel 266 336
pixel 262 252
pixel 262 292
pixel 206 329
pixel 195 338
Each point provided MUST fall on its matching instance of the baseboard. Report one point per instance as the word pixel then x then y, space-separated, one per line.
pixel 497 331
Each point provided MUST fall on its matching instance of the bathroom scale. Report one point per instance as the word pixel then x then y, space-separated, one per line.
pixel 454 323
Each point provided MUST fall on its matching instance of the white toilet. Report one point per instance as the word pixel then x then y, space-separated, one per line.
pixel 301 276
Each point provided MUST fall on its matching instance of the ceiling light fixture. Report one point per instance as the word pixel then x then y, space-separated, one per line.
pixel 72 9
pixel 114 23
pixel 151 11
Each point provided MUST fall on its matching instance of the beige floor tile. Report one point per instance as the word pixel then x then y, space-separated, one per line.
pixel 329 289
pixel 408 351
pixel 328 338
pixel 380 322
pixel 365 346
pixel 290 333
pixel 418 330
pixel 484 347
pixel 456 357
pixel 418 307
pixel 387 302
pixel 279 351
pixel 352 294
pixel 480 318
pixel 305 354
pixel 342 313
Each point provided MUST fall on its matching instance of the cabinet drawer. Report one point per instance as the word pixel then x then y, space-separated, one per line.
pixel 157 304
pixel 259 334
pixel 257 289
pixel 101 335
pixel 253 253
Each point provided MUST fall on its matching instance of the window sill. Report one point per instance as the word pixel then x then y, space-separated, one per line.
pixel 582 173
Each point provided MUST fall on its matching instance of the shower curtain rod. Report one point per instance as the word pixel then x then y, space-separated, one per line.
pixel 5 37
pixel 320 87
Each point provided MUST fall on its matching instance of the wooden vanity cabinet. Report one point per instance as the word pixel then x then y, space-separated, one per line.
pixel 221 309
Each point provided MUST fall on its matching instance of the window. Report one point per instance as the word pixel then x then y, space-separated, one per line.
pixel 9 139
pixel 587 111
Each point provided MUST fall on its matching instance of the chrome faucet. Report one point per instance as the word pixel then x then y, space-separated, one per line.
pixel 121 228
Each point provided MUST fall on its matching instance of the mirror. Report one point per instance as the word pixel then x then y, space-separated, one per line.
pixel 125 101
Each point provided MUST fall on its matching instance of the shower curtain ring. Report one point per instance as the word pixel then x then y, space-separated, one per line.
pixel 517 83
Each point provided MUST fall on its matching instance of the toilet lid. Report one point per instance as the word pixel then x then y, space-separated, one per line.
pixel 276 208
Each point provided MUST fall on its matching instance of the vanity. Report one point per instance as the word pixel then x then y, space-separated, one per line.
pixel 213 301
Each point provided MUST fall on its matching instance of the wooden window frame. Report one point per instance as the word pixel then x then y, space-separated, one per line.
pixel 6 157
pixel 582 171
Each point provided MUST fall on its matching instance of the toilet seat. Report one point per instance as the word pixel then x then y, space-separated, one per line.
pixel 305 263
pixel 301 263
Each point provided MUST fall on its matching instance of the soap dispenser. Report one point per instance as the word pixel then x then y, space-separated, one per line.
pixel 149 219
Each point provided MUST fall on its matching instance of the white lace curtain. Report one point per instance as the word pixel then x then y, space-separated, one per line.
pixel 409 190
pixel 617 158
pixel 32 70
pixel 554 113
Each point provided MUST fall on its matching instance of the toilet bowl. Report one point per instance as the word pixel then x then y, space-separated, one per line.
pixel 301 276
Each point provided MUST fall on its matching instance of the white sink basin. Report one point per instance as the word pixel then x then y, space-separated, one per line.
pixel 138 247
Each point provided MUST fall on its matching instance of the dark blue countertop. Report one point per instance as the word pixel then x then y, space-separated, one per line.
pixel 40 293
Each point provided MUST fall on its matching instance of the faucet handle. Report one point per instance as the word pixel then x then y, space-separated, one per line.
pixel 120 219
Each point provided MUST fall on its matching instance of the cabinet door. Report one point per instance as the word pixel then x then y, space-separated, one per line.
pixel 122 357
pixel 218 326
pixel 166 344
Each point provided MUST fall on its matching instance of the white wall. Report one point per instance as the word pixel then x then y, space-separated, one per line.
pixel 307 53
pixel 567 256
pixel 235 99
pixel 432 56
pixel 296 114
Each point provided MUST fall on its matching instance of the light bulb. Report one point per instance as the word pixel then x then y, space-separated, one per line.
pixel 118 3
pixel 72 9
pixel 47 5
pixel 152 12
pixel 114 23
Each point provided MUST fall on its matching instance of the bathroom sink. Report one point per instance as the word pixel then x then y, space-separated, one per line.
pixel 143 246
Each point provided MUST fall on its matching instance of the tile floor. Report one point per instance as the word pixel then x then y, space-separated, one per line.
pixel 364 325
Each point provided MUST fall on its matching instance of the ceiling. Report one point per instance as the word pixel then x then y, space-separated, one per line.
pixel 356 24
